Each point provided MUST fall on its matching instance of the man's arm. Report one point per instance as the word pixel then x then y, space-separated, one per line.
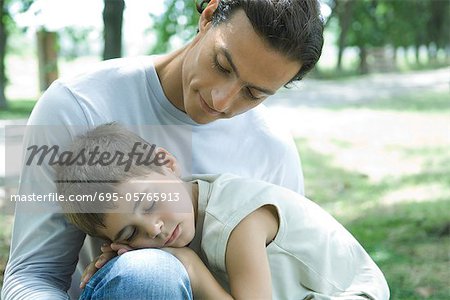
pixel 42 260
pixel 44 247
pixel 286 167
pixel 290 172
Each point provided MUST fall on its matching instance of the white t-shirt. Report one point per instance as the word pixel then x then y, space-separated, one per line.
pixel 45 249
pixel 312 255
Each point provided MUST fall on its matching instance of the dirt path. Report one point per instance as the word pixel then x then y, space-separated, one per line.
pixel 315 93
pixel 374 141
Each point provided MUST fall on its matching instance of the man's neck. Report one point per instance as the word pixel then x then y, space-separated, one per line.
pixel 169 70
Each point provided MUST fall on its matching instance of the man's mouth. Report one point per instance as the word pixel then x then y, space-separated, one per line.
pixel 208 108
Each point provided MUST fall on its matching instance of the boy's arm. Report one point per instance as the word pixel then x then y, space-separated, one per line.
pixel 203 283
pixel 246 257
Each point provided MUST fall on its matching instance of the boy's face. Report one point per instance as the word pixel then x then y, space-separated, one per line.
pixel 229 69
pixel 163 218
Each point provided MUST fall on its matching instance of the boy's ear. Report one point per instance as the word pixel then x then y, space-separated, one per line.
pixel 170 162
pixel 205 18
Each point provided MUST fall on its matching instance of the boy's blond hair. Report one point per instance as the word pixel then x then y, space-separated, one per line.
pixel 92 180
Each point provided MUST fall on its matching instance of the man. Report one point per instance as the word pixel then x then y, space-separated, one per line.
pixel 244 52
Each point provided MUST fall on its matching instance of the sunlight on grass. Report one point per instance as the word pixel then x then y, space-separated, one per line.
pixel 417 193
pixel 381 169
pixel 415 243
pixel 376 144
pixel 18 109
pixel 428 101
pixel 402 219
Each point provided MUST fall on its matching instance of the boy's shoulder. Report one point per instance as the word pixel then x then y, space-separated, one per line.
pixel 232 192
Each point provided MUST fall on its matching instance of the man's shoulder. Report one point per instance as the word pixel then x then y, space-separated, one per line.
pixel 119 68
pixel 95 95
pixel 262 124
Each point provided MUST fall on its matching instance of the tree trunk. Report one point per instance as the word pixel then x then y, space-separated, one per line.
pixel 406 55
pixel 345 18
pixel 432 53
pixel 363 66
pixel 447 53
pixel 47 58
pixel 395 55
pixel 112 31
pixel 417 48
pixel 3 38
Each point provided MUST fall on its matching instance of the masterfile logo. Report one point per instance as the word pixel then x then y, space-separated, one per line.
pixel 139 155
pixel 34 152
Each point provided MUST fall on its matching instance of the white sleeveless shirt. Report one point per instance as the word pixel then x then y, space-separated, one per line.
pixel 312 255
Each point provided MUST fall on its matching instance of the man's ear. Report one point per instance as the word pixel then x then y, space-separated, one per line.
pixel 170 162
pixel 205 18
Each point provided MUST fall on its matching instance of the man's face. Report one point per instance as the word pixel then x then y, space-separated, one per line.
pixel 162 216
pixel 230 69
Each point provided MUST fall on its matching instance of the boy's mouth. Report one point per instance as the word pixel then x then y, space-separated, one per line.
pixel 173 236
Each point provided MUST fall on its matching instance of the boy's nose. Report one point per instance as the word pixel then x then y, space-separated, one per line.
pixel 224 96
pixel 154 229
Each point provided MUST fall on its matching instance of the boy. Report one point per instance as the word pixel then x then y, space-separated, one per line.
pixel 259 240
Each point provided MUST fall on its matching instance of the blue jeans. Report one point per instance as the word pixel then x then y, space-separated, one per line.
pixel 140 274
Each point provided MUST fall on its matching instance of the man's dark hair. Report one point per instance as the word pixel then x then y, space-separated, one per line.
pixel 292 27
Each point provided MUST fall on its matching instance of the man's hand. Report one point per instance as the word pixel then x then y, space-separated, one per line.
pixel 109 251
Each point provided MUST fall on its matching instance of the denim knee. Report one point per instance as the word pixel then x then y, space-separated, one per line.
pixel 140 274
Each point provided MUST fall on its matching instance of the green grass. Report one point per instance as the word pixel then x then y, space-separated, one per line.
pixel 415 102
pixel 18 109
pixel 425 65
pixel 334 74
pixel 352 69
pixel 410 241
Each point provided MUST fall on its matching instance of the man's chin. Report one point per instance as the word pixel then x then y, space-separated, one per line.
pixel 203 119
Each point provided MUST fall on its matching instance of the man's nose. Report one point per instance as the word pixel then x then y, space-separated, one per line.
pixel 224 95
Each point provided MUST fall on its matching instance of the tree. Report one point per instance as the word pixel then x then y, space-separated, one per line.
pixel 366 29
pixel 438 27
pixel 343 10
pixel 6 23
pixel 113 20
pixel 47 52
pixel 369 24
pixel 180 19
pixel 3 39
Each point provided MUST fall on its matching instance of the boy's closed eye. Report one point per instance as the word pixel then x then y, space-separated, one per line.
pixel 149 207
pixel 131 234
pixel 131 237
